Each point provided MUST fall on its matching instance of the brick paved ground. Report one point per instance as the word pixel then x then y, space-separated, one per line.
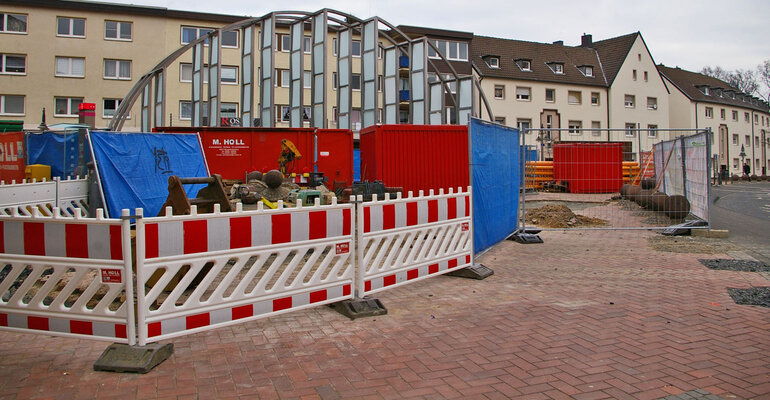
pixel 586 315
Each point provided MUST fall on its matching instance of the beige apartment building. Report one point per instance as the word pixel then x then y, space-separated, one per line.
pixel 740 123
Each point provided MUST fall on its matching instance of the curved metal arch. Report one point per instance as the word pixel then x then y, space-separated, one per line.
pixel 128 101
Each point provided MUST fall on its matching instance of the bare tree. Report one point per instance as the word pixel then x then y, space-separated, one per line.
pixel 743 80
pixel 763 75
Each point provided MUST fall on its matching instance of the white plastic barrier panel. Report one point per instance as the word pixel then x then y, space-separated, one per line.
pixel 26 196
pixel 200 272
pixel 404 240
pixel 67 276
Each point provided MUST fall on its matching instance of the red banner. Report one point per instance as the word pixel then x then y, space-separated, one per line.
pixel 11 156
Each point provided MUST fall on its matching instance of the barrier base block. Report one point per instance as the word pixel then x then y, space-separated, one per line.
pixel 475 271
pixel 119 357
pixel 360 308
pixel 525 238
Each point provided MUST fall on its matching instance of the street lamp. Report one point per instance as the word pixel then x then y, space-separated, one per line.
pixel 743 156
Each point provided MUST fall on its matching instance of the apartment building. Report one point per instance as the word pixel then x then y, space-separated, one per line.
pixel 598 85
pixel 740 123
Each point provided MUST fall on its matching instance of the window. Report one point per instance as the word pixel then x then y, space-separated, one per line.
pixel 70 27
pixel 722 113
pixel 450 50
pixel 117 30
pixel 652 131
pixel 110 107
pixel 307 45
pixel 630 129
pixel 451 82
pixel 756 141
pixel 306 114
pixel 735 163
pixel 574 97
pixel 550 95
pixel 630 101
pixel 380 83
pixel 633 74
pixel 334 81
pixel 11 104
pixel 588 71
pixel 493 62
pixel 355 81
pixel 70 67
pixel 190 33
pixel 228 75
pixel 307 79
pixel 499 91
pixel 523 93
pixel 283 78
pixel 500 120
pixel 557 68
pixel 228 110
pixel 186 70
pixel 746 116
pixel 756 118
pixel 282 42
pixel 646 76
pixel 230 39
pixel 574 127
pixel 185 110
pixel 355 49
pixel 652 103
pixel 747 138
pixel 735 115
pixel 595 126
pixel 15 64
pixel 594 98
pixel 13 23
pixel 282 113
pixel 117 69
pixel 523 124
pixel 524 65
pixel 66 106
pixel 709 112
pixel 334 46
pixel 735 139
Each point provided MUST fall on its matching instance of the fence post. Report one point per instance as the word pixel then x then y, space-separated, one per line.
pixel 683 146
pixel 125 233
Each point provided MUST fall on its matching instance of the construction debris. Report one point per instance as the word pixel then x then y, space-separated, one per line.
pixel 560 216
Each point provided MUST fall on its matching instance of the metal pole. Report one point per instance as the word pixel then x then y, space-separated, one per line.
pixel 708 187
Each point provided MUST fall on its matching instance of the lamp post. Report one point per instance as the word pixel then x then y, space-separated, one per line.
pixel 743 157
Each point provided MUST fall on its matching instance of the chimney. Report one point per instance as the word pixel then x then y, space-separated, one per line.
pixel 586 40
pixel 559 43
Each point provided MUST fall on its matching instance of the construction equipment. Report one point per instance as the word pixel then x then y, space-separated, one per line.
pixel 289 153
pixel 213 193
pixel 307 196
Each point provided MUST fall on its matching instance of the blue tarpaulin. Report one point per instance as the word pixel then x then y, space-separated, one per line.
pixel 134 167
pixel 59 150
pixel 356 165
pixel 496 178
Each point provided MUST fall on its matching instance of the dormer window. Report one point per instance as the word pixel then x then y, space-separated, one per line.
pixel 524 65
pixel 703 89
pixel 493 62
pixel 586 70
pixel 557 68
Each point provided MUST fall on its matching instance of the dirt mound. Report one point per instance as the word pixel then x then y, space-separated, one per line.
pixel 560 216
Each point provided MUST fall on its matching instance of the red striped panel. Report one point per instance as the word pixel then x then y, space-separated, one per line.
pixel 197 320
pixel 319 295
pixel 389 280
pixel 367 219
pixel 367 286
pixel 281 228
pixel 34 238
pixel 468 259
pixel 2 238
pixel 3 319
pixel 243 311
pixel 467 206
pixel 37 323
pixel 82 327
pixel 317 228
pixel 151 240
pixel 451 204
pixel 432 210
pixel 388 216
pixel 412 274
pixel 346 222
pixel 240 232
pixel 76 240
pixel 411 213
pixel 452 263
pixel 346 290
pixel 120 331
pixel 433 268
pixel 282 304
pixel 116 242
pixel 195 236
pixel 154 329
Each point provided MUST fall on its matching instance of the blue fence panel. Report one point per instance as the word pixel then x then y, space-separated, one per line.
pixel 59 150
pixel 496 178
pixel 356 165
pixel 134 167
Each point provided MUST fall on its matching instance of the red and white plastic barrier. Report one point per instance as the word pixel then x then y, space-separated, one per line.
pixel 403 240
pixel 200 272
pixel 24 197
pixel 67 276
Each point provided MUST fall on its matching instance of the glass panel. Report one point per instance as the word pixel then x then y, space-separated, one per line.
pixel 229 75
pixel 344 43
pixel 307 79
pixel 125 69
pixel 79 27
pixel 63 26
pixel 230 38
pixel 248 34
pixel 356 48
pixel 16 23
pixel 369 100
pixel 189 34
pixel 463 51
pixel 417 56
pixel 14 104
pixel 111 29
pixel 125 30
pixel 319 94
pixel 78 67
pixel 370 36
pixel 228 110
pixel 267 35
pixel 110 69
pixel 15 64
pixel 369 66
pixel 62 66
pixel 453 50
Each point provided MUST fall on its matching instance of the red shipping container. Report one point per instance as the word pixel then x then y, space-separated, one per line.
pixel 12 156
pixel 233 151
pixel 416 157
pixel 589 167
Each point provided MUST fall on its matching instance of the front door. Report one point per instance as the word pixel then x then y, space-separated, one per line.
pixel 549 119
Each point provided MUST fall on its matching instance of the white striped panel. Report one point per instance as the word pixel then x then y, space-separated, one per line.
pixel 261 230
pixel 400 215
pixel 55 240
pixel 99 241
pixel 218 234
pixel 300 226
pixel 422 212
pixel 170 238
pixel 442 209
pixel 375 218
pixel 14 237
pixel 334 223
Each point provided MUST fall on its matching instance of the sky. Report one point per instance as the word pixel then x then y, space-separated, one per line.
pixel 689 34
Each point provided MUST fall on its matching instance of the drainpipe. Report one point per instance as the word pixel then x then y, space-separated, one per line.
pixel 753 146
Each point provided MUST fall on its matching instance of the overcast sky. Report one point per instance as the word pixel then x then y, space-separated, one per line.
pixel 689 34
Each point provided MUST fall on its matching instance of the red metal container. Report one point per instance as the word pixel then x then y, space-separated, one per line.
pixel 11 156
pixel 233 152
pixel 589 167
pixel 416 157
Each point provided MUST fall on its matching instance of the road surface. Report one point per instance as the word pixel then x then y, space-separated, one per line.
pixel 744 209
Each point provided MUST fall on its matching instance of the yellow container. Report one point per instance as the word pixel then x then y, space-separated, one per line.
pixel 37 171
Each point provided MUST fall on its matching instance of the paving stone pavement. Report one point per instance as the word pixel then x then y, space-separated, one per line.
pixel 585 315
